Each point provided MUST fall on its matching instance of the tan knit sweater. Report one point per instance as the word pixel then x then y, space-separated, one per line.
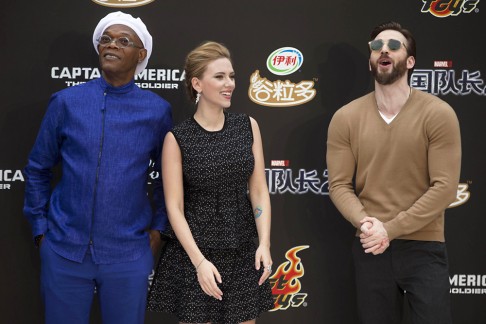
pixel 407 172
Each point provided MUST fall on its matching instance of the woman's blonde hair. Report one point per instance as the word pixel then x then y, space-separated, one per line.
pixel 198 59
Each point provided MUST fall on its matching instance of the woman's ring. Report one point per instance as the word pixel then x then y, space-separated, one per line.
pixel 269 268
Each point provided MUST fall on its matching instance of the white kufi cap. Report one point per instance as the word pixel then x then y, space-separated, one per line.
pixel 120 18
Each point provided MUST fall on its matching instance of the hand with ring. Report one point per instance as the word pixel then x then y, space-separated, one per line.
pixel 263 258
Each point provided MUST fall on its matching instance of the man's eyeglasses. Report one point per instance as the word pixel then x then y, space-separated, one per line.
pixel 392 44
pixel 121 42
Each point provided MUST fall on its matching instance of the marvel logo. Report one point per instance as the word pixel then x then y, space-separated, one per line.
pixel 280 163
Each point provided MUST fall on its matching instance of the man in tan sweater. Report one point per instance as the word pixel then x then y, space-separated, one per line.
pixel 393 158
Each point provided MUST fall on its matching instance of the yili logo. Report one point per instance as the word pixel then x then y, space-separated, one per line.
pixel 446 8
pixel 284 61
pixel 122 3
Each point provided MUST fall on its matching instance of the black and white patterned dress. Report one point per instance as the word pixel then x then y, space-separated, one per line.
pixel 216 168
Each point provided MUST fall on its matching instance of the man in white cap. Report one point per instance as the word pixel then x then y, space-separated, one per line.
pixel 96 228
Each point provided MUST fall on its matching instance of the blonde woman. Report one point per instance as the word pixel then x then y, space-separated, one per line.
pixel 218 204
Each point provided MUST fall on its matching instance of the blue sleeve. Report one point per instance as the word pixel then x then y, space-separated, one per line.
pixel 38 172
pixel 159 221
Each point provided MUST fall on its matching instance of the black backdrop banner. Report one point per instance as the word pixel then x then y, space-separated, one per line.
pixel 296 63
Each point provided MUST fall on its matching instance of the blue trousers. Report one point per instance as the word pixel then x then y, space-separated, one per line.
pixel 68 288
pixel 417 269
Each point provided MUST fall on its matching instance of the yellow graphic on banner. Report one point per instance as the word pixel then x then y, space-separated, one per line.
pixel 279 93
pixel 463 195
pixel 122 3
pixel 285 281
pixel 447 8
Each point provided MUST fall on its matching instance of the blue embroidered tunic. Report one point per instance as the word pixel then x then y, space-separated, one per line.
pixel 104 137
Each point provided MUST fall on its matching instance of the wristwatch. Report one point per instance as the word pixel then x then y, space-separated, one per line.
pixel 37 240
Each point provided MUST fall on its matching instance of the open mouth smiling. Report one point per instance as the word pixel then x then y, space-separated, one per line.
pixel 111 56
pixel 384 62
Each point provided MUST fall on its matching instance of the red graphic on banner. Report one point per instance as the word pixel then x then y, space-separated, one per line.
pixel 280 163
pixel 285 281
pixel 286 60
pixel 446 8
pixel 443 64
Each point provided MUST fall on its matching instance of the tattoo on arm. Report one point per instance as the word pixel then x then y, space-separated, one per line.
pixel 258 211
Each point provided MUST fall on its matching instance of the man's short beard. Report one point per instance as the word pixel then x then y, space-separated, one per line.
pixel 388 78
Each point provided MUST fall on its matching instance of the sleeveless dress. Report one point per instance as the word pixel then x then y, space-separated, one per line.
pixel 216 168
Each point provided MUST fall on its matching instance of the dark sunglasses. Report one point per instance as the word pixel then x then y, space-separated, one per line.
pixel 392 44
